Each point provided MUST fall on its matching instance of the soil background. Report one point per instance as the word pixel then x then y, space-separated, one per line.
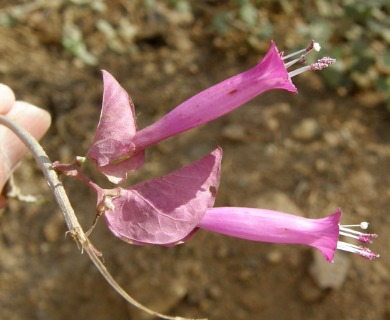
pixel 305 154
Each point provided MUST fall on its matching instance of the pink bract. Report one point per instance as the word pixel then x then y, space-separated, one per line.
pixel 166 210
pixel 112 149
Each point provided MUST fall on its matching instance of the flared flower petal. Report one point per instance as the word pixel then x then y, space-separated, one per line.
pixel 165 210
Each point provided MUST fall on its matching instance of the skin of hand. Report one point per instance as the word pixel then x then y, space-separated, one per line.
pixel 33 119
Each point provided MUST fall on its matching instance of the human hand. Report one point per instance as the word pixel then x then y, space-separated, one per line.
pixel 31 118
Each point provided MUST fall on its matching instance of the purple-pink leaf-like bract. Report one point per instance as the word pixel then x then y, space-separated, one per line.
pixel 112 144
pixel 166 210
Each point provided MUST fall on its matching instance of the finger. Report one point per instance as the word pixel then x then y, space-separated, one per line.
pixel 7 98
pixel 34 120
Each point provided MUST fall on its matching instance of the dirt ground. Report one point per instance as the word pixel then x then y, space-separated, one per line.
pixel 306 154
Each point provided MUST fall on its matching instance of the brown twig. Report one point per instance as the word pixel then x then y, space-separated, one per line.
pixel 71 220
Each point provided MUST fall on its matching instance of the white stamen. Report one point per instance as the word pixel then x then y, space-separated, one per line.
pixel 363 225
pixel 293 54
pixel 316 46
pixel 348 230
pixel 341 245
pixel 346 234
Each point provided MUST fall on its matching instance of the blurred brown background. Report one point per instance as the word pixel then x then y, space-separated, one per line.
pixel 306 154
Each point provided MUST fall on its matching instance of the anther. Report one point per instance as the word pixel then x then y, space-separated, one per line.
pixel 322 63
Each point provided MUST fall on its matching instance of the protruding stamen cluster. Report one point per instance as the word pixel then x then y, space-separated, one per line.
pixel 345 230
pixel 319 65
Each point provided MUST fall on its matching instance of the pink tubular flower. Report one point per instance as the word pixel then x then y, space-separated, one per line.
pixel 118 147
pixel 277 227
pixel 219 99
pixel 271 73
